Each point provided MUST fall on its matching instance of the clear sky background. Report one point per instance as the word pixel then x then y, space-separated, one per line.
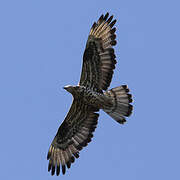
pixel 41 48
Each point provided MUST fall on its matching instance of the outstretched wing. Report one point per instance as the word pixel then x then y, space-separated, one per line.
pixel 73 134
pixel 99 58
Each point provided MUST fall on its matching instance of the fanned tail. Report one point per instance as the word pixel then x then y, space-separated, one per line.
pixel 121 103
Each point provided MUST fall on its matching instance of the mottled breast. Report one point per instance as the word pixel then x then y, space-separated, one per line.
pixel 93 98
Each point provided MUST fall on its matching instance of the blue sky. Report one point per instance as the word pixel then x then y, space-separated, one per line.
pixel 41 48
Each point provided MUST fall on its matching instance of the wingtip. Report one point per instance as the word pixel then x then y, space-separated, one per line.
pixel 53 170
pixel 49 166
pixel 57 170
pixel 130 110
pixel 106 16
pixel 101 18
pixel 63 169
pixel 113 23
pixel 110 19
pixel 48 155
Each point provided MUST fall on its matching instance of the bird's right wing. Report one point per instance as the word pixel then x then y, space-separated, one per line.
pixel 99 58
pixel 73 134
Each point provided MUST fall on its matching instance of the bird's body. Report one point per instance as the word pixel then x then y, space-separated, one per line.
pixel 89 96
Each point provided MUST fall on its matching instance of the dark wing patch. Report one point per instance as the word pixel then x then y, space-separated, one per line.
pixel 99 58
pixel 74 133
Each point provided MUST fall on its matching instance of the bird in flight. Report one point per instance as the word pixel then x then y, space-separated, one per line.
pixel 89 96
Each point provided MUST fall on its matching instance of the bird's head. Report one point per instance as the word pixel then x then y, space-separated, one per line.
pixel 69 88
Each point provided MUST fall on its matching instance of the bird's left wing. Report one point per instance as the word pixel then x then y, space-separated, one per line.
pixel 73 134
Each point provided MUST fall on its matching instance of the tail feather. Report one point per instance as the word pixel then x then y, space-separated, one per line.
pixel 120 103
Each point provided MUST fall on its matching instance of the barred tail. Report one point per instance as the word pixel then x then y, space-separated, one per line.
pixel 120 100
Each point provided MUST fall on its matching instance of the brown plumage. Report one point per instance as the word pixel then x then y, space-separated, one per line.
pixel 99 58
pixel 77 129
